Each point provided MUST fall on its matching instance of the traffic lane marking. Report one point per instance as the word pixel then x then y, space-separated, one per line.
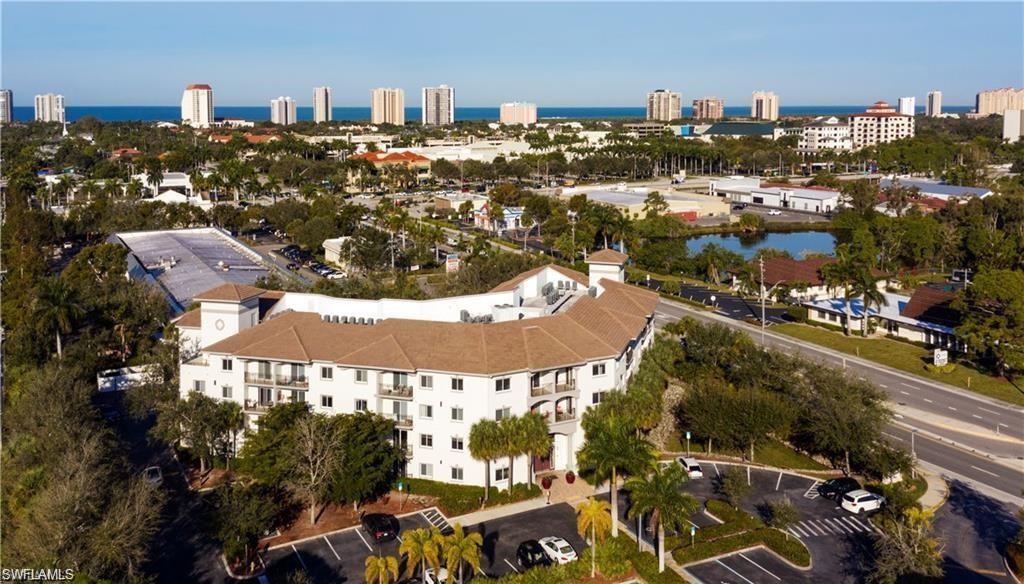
pixel 988 472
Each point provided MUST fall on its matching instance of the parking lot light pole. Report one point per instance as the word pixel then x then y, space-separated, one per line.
pixel 760 262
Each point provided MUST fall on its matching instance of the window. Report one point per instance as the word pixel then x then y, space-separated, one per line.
pixel 361 405
pixel 821 314
pixel 426 381
pixel 456 384
pixel 327 401
pixel 199 385
pixel 427 440
pixel 225 391
pixel 426 411
pixel 598 396
pixel 457 473
pixel 458 443
pixel 426 470
pixel 456 414
pixel 326 373
pixel 501 413
pixel 361 376
pixel 597 369
pixel 503 384
pixel 501 474
pixel 226 364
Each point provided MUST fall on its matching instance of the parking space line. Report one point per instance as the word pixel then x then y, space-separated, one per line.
pixel 298 555
pixel 733 571
pixel 510 565
pixel 366 543
pixel 779 481
pixel 760 566
pixel 333 551
pixel 716 469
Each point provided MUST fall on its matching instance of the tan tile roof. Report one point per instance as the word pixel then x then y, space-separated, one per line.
pixel 607 256
pixel 592 328
pixel 191 319
pixel 512 283
pixel 231 293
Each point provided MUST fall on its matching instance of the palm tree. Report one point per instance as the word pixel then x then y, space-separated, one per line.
pixel 56 304
pixel 381 570
pixel 496 214
pixel 510 440
pixel 613 448
pixel 462 548
pixel 660 496
pixel 865 285
pixel 236 423
pixel 593 516
pixel 483 445
pixel 534 438
pixel 424 547
pixel 840 274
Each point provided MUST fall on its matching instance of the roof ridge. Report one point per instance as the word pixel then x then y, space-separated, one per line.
pixel 298 339
pixel 401 349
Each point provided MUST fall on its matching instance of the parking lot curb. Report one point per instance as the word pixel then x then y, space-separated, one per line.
pixel 762 467
pixel 751 548
pixel 292 542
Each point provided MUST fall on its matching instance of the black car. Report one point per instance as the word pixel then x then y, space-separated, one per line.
pixel 529 554
pixel 739 206
pixel 836 488
pixel 380 526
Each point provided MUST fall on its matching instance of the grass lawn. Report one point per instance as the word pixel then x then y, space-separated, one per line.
pixel 773 453
pixel 905 357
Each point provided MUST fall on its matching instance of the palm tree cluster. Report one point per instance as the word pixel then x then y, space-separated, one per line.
pixel 428 548
pixel 509 438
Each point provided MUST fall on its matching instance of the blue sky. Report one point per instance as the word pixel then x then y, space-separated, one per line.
pixel 602 54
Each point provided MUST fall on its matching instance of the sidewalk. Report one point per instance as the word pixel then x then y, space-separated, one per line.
pixel 936 493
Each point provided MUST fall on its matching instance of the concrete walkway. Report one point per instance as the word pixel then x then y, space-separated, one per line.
pixel 936 493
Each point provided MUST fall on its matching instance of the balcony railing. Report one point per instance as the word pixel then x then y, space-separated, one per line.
pixel 565 416
pixel 278 380
pixel 255 405
pixel 394 391
pixel 400 420
pixel 552 388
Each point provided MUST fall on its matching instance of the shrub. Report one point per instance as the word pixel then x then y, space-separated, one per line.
pixel 797 313
pixel 945 369
pixel 1015 557
pixel 461 499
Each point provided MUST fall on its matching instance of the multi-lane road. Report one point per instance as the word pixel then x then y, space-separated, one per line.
pixel 954 431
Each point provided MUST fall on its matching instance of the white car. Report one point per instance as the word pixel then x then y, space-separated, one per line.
pixel 558 550
pixel 691 467
pixel 153 475
pixel 774 212
pixel 337 276
pixel 429 577
pixel 861 500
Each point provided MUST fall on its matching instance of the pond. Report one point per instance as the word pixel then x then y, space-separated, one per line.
pixel 797 243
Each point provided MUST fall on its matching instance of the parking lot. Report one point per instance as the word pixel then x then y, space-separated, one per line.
pixel 340 556
pixel 730 305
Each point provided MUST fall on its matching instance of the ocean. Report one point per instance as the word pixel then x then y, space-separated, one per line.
pixel 160 113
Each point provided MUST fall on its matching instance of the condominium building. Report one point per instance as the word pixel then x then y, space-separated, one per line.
pixel 50 108
pixel 1013 125
pixel 283 111
pixel 908 106
pixel 997 101
pixel 551 341
pixel 517 112
pixel 664 105
pixel 438 106
pixel 387 106
pixel 323 105
pixel 764 106
pixel 933 108
pixel 708 108
pixel 6 106
pixel 879 124
pixel 825 134
pixel 197 105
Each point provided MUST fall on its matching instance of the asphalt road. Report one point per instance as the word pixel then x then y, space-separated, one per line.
pixel 962 420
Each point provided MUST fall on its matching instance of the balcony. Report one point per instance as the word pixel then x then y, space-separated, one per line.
pixel 258 406
pixel 401 420
pixel 565 416
pixel 277 380
pixel 389 391
pixel 552 388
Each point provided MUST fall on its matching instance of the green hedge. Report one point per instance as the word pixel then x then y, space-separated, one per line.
pixel 461 499
pixel 739 530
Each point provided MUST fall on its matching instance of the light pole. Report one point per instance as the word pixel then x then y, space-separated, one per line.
pixel 760 263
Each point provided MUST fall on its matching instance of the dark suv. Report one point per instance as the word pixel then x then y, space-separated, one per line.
pixel 836 488
pixel 530 554
pixel 380 526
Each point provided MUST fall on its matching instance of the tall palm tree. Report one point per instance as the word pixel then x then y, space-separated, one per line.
pixel 236 423
pixel 593 517
pixel 483 445
pixel 660 495
pixel 534 437
pixel 381 570
pixel 840 274
pixel 461 548
pixel 56 304
pixel 510 440
pixel 865 285
pixel 613 448
pixel 423 547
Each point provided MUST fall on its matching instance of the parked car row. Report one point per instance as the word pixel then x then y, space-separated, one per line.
pixel 299 257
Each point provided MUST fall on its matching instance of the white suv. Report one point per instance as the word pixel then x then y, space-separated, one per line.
pixel 861 500
pixel 691 467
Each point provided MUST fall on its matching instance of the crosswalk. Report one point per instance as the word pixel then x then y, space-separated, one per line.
pixel 437 520
pixel 812 491
pixel 827 526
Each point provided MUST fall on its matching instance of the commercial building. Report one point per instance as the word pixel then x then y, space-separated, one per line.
pixel 49 108
pixel 387 106
pixel 632 201
pixel 438 106
pixel 908 106
pixel 181 263
pixel 933 108
pixel 708 108
pixel 482 150
pixel 825 134
pixel 323 105
pixel 453 201
pixel 645 129
pixel 1013 125
pixel 282 111
pixel 764 106
pixel 517 112
pixel 420 165
pixel 750 190
pixel 664 105
pixel 997 101
pixel 197 105
pixel 551 341
pixel 935 189
pixel 879 124
pixel 706 132
pixel 6 106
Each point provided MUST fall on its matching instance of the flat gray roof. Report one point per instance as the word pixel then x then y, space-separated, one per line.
pixel 200 256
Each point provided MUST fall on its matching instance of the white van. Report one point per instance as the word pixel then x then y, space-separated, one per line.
pixel 691 467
